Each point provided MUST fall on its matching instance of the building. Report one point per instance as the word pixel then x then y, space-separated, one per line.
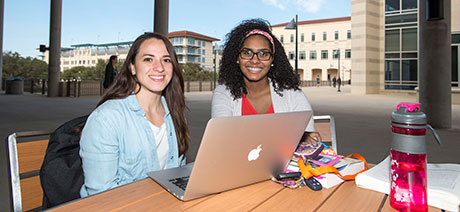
pixel 455 42
pixel 386 45
pixel 190 47
pixel 383 36
pixel 324 47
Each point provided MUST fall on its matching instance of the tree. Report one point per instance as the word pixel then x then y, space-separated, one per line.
pixel 193 72
pixel 14 65
pixel 86 73
pixel 74 73
pixel 100 68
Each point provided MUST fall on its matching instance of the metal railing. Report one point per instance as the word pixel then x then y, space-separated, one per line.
pixel 74 88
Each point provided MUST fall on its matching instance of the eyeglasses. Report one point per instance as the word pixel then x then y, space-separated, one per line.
pixel 248 54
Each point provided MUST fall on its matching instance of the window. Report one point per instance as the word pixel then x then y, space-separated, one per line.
pixel 191 41
pixel 191 50
pixel 409 70
pixel 324 36
pixel 336 35
pixel 391 5
pixel 203 52
pixel 312 36
pixel 203 60
pixel 203 44
pixel 302 55
pixel 302 37
pixel 347 53
pixel 455 38
pixel 94 61
pixel 409 4
pixel 392 40
pixel 199 51
pixel 199 44
pixel 199 59
pixel 335 54
pixel 392 70
pixel 401 19
pixel 292 38
pixel 409 39
pixel 281 38
pixel 180 58
pixel 291 55
pixel 190 59
pixel 348 34
pixel 394 5
pixel 312 55
pixel 324 54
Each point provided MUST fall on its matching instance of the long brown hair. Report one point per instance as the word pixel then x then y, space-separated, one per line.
pixel 125 84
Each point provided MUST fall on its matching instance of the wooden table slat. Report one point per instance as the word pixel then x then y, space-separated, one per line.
pixel 241 199
pixel 348 196
pixel 147 195
pixel 116 198
pixel 300 199
pixel 164 201
pixel 387 207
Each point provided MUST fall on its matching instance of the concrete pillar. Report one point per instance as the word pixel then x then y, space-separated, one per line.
pixel 161 17
pixel 2 9
pixel 5 186
pixel 367 46
pixel 54 70
pixel 435 66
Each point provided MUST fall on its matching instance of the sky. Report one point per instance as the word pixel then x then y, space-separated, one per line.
pixel 26 22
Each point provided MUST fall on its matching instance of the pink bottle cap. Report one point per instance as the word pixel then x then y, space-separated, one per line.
pixel 410 107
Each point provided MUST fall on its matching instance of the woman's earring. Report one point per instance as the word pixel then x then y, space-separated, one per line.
pixel 272 65
pixel 238 61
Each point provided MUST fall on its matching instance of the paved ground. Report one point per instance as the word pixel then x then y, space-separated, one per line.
pixel 362 121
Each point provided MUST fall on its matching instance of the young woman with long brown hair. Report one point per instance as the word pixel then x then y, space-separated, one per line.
pixel 138 125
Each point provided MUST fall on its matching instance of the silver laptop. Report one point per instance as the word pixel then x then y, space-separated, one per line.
pixel 236 151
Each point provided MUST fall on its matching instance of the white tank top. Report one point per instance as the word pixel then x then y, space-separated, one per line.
pixel 161 140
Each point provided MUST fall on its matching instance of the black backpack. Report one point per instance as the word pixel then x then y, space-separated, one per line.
pixel 61 174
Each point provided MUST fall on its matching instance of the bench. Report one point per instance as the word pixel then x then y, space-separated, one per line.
pixel 26 151
pixel 325 125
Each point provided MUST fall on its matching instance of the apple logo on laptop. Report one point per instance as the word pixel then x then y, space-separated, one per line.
pixel 254 154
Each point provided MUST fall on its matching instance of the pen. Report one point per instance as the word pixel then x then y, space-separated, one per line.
pixel 317 140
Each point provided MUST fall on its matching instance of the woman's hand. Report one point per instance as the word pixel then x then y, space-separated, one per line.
pixel 313 136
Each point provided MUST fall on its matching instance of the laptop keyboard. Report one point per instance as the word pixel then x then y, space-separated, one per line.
pixel 180 182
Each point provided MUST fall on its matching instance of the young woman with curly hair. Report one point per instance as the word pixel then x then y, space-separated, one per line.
pixel 139 124
pixel 256 77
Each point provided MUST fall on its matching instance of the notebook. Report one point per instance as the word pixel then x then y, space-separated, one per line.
pixel 235 152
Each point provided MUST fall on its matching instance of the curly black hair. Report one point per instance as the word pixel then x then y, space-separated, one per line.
pixel 281 73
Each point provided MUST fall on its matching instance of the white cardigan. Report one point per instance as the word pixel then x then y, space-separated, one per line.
pixel 223 104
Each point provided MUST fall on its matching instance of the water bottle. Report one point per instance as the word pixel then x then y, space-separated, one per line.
pixel 408 158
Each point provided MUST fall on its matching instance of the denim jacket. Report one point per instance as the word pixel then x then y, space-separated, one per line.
pixel 117 145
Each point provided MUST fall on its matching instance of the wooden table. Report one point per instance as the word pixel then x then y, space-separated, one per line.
pixel 147 195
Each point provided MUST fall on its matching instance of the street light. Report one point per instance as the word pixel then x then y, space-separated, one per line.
pixel 293 25
pixel 215 64
pixel 339 81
